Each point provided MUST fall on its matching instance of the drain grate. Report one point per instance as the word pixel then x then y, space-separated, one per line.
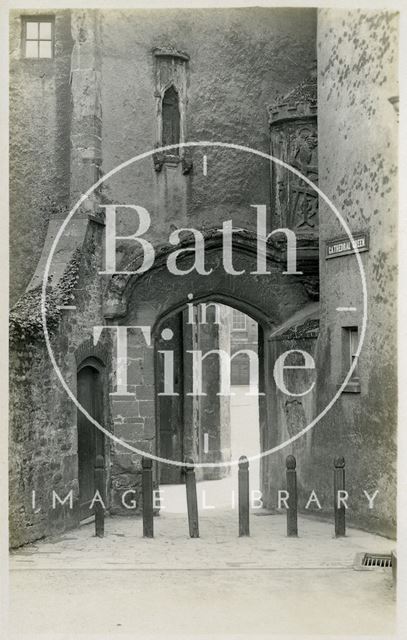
pixel 376 560
pixel 370 561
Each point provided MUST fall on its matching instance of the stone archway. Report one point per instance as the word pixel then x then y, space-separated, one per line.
pixel 146 299
pixel 182 419
pixel 91 389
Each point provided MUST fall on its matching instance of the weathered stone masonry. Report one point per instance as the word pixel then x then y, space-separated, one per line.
pixel 81 119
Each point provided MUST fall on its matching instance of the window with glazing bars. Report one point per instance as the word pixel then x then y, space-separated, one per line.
pixel 38 37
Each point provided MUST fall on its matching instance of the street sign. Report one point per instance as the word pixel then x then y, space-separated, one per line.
pixel 343 246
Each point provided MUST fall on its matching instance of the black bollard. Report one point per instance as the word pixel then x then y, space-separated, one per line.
pixel 339 485
pixel 244 507
pixel 100 487
pixel 192 502
pixel 147 488
pixel 291 475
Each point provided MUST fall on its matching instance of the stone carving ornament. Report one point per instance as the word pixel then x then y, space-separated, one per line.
pixel 293 139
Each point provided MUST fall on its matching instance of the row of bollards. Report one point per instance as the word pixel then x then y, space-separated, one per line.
pixel 243 497
pixel 292 500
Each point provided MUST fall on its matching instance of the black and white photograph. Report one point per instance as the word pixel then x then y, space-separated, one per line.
pixel 203 334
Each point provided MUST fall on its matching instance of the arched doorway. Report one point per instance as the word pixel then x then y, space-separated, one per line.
pixel 90 439
pixel 208 427
pixel 145 300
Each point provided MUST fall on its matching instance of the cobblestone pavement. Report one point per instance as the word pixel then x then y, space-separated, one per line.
pixel 218 584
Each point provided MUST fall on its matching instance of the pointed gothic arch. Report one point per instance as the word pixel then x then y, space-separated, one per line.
pixel 171 118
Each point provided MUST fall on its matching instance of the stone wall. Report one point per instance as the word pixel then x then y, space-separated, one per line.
pixel 357 131
pixel 358 77
pixel 225 100
pixel 43 454
pixel 146 299
pixel 39 145
pixel 239 60
pixel 43 420
pixel 270 52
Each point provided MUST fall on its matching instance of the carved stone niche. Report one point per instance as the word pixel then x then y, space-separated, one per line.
pixel 294 139
pixel 171 69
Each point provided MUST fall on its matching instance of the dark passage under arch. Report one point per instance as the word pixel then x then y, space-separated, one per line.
pixel 207 427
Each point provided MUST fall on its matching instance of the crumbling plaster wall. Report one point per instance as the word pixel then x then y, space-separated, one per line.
pixel 357 131
pixel 239 59
pixel 39 144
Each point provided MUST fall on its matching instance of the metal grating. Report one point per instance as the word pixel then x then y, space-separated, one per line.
pixel 375 560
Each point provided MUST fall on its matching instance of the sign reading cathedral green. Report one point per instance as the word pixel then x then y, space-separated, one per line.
pixel 343 246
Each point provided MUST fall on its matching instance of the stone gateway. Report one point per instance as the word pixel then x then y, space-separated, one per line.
pixel 210 249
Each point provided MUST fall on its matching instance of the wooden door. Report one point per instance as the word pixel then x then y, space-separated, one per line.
pixel 90 439
pixel 171 434
pixel 170 416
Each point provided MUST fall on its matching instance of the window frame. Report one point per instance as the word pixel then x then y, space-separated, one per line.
pixel 37 19
pixel 350 340
pixel 352 344
pixel 171 91
pixel 241 316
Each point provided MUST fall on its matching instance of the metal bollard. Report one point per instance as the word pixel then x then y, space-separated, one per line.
pixel 291 476
pixel 100 487
pixel 192 502
pixel 339 485
pixel 147 489
pixel 244 508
